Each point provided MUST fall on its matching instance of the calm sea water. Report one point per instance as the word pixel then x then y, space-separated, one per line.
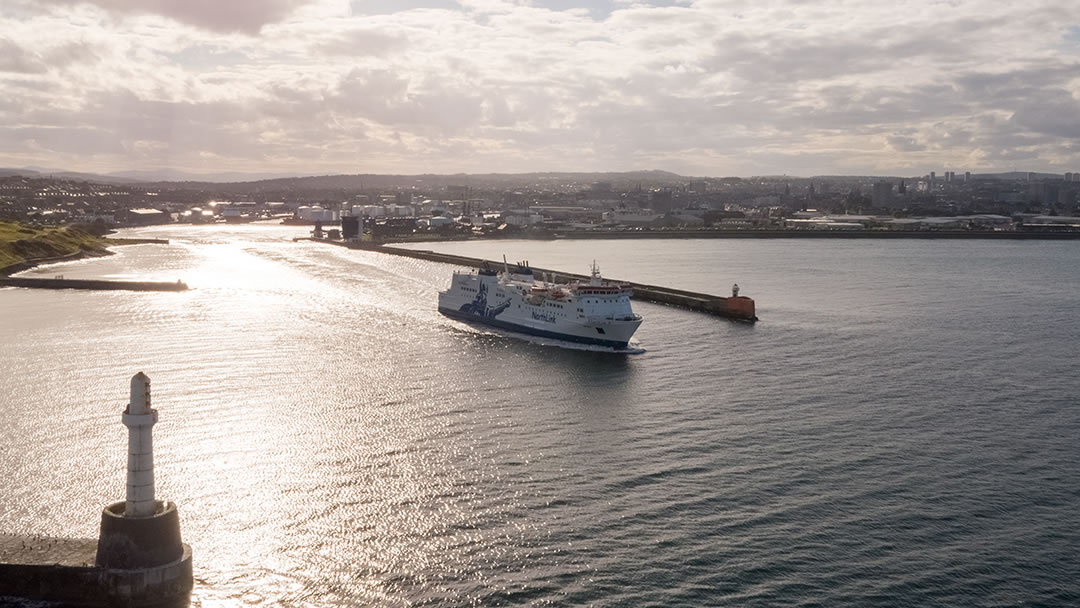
pixel 902 428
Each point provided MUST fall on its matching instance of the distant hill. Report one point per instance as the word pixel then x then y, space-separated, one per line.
pixel 238 182
pixel 92 177
pixel 39 172
pixel 174 175
pixel 485 181
pixel 350 180
pixel 477 180
pixel 230 180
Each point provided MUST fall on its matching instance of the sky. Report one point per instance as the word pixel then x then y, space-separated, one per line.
pixel 698 87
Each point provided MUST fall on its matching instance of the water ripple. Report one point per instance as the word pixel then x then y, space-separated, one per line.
pixel 893 433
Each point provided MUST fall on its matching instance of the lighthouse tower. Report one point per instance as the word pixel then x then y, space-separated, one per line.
pixel 140 546
pixel 140 419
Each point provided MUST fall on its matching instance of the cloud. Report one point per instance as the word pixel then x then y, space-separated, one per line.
pixel 14 58
pixel 248 16
pixel 1056 114
pixel 361 42
pixel 708 87
pixel 22 60
pixel 902 143
pixel 383 7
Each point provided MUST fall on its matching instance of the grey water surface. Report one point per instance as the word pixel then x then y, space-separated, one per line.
pixel 902 428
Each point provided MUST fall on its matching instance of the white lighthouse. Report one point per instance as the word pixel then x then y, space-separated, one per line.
pixel 141 558
pixel 140 418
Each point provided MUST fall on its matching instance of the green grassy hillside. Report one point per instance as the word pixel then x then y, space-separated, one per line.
pixel 21 243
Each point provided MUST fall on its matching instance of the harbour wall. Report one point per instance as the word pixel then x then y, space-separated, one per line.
pixel 62 570
pixel 91 284
pixel 738 308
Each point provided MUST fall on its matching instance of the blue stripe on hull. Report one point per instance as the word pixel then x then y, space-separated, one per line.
pixel 543 333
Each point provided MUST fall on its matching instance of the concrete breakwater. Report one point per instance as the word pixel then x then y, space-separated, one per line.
pixel 91 284
pixel 63 570
pixel 739 308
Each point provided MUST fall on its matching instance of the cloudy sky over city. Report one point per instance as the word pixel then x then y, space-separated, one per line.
pixel 699 87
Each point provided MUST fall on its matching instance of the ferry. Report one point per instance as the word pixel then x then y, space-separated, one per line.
pixel 595 311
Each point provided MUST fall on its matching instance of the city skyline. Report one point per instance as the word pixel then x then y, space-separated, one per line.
pixel 696 87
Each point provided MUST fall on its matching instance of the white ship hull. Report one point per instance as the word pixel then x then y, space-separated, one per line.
pixel 596 313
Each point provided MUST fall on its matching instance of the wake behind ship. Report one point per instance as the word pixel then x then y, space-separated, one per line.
pixel 588 312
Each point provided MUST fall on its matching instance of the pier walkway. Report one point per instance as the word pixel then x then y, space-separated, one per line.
pixel 59 283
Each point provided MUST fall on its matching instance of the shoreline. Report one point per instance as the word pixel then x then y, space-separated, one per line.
pixel 25 265
pixel 751 234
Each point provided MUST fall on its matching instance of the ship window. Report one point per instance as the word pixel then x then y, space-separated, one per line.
pixel 599 330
